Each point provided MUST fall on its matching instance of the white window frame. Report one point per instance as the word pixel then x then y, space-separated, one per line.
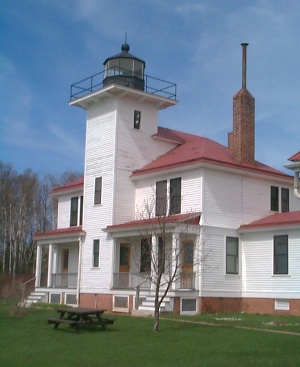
pixel 93 253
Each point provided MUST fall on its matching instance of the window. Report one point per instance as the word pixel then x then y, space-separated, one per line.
pixel 232 255
pixel 137 119
pixel 161 198
pixel 74 212
pixel 274 199
pixel 96 253
pixel 283 199
pixel 76 208
pixel 175 195
pixel 81 211
pixel 98 190
pixel 161 261
pixel 145 265
pixel 281 254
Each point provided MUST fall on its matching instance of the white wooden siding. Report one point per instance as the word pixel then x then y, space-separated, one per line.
pixel 231 200
pixel 99 162
pixel 215 281
pixel 258 278
pixel 191 192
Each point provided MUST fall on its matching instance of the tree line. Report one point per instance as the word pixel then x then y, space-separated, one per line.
pixel 26 208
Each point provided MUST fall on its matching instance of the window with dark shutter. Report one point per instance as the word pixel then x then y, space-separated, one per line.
pixel 98 190
pixel 74 212
pixel 161 198
pixel 285 207
pixel 281 254
pixel 274 199
pixel 175 195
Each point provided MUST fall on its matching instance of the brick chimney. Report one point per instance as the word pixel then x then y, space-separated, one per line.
pixel 242 139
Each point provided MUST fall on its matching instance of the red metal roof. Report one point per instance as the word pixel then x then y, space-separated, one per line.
pixel 71 186
pixel 59 232
pixel 274 220
pixel 295 157
pixel 188 218
pixel 197 149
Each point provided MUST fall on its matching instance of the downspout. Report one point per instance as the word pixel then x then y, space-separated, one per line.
pixel 296 184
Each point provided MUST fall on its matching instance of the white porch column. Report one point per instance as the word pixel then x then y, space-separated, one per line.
pixel 38 265
pixel 50 264
pixel 199 258
pixel 154 260
pixel 175 260
pixel 79 271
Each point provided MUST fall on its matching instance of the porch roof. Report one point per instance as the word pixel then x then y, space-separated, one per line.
pixel 188 218
pixel 59 233
pixel 285 220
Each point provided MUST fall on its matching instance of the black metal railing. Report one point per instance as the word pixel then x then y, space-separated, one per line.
pixel 151 85
pixel 64 280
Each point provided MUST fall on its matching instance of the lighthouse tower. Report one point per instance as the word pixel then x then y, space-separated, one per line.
pixel 122 105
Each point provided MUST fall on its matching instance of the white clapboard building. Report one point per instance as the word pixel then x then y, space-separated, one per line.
pixel 232 222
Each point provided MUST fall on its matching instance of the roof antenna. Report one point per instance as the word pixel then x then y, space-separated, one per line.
pixel 244 64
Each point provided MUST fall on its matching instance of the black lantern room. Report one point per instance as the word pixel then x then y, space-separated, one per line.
pixel 124 69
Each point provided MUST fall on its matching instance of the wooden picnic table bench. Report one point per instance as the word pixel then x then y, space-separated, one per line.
pixel 79 317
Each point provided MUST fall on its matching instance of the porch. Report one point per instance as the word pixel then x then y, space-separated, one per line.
pixel 58 262
pixel 122 281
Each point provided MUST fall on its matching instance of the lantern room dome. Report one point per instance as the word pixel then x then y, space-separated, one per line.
pixel 124 69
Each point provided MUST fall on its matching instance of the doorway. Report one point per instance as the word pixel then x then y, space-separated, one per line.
pixel 124 265
pixel 187 274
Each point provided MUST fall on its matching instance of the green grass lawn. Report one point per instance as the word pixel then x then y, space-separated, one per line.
pixel 28 340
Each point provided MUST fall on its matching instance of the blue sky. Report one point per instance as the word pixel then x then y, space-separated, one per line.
pixel 47 45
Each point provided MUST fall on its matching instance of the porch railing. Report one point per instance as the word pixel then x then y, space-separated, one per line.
pixel 187 280
pixel 64 280
pixel 134 280
pixel 131 281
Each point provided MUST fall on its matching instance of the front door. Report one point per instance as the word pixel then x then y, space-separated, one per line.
pixel 124 265
pixel 187 275
pixel 65 268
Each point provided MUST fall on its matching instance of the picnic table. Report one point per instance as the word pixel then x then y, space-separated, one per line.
pixel 78 317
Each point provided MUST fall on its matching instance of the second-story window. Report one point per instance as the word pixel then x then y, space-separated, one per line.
pixel 98 191
pixel 161 198
pixel 279 199
pixel 74 211
pixel 174 199
pixel 175 195
pixel 285 199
